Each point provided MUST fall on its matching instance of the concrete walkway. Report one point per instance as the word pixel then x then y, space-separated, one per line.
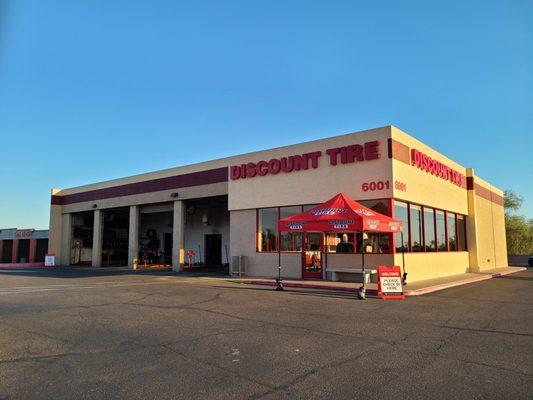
pixel 411 289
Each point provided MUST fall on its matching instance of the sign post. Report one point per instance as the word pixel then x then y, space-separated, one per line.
pixel 390 283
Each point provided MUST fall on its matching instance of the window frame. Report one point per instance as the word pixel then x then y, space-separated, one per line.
pixel 389 201
pixel 392 240
pixel 424 208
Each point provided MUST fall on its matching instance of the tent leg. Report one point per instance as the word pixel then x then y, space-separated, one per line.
pixel 361 294
pixel 325 268
pixel 404 275
pixel 279 283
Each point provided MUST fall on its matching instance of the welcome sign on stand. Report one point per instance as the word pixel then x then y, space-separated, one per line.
pixel 390 285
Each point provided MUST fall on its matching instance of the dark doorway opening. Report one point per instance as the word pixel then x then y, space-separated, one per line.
pixel 167 248
pixel 41 248
pixel 23 254
pixel 213 249
pixel 7 251
pixel 81 252
pixel 115 240
pixel 155 236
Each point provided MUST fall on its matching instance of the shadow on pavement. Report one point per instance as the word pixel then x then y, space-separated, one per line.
pixel 297 291
pixel 77 272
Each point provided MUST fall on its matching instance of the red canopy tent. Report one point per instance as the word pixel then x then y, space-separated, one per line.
pixel 339 214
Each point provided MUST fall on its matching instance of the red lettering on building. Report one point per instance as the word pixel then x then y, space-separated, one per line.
pixel 426 163
pixel 23 234
pixel 348 154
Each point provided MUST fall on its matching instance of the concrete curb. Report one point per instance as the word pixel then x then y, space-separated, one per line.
pixel 308 286
pixel 417 292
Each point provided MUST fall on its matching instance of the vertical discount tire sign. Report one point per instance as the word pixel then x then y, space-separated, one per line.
pixel 390 285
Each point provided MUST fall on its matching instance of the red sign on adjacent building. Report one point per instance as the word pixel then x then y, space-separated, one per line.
pixel 390 285
pixel 23 234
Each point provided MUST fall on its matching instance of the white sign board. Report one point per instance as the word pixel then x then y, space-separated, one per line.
pixel 50 260
pixel 391 284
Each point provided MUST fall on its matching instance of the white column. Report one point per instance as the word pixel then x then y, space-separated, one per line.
pixel 178 236
pixel 133 237
pixel 98 236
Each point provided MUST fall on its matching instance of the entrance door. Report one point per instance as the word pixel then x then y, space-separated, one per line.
pixel 213 249
pixel 312 255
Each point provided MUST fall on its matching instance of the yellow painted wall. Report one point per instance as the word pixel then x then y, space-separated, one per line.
pixel 55 229
pixel 500 243
pixel 422 266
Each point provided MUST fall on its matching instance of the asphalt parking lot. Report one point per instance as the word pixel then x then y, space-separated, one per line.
pixel 71 334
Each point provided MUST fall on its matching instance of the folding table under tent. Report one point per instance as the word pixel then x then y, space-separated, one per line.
pixel 340 214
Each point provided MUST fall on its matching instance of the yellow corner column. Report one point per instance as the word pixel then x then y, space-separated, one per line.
pixel 66 239
pixel 55 229
pixel 471 225
pixel 178 236
pixel 98 236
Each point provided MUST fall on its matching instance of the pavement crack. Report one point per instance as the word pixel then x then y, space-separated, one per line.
pixel 300 378
pixel 487 331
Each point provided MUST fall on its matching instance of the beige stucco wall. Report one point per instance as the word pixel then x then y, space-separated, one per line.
pixel 193 192
pixel 242 243
pixel 313 185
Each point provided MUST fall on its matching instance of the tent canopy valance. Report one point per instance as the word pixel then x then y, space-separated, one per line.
pixel 340 214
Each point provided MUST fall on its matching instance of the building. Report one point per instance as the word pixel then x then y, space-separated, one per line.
pixel 23 247
pixel 230 207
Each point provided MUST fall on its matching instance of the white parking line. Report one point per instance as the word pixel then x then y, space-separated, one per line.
pixel 99 285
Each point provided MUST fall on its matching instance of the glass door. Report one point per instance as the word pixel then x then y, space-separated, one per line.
pixel 312 255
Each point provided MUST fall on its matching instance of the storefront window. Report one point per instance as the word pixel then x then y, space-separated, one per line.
pixel 429 229
pixel 380 206
pixel 424 229
pixel 461 233
pixel 441 230
pixel 340 243
pixel 378 243
pixel 290 241
pixel 416 227
pixel 267 229
pixel 452 238
pixel 400 213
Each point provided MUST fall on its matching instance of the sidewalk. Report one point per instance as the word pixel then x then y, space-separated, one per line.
pixel 411 289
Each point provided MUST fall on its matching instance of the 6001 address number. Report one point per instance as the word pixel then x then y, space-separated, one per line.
pixel 381 185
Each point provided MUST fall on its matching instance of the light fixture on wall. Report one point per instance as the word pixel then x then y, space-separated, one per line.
pixel 94 206
pixel 205 220
pixel 174 195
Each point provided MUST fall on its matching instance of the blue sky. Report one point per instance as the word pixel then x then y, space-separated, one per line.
pixel 96 90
